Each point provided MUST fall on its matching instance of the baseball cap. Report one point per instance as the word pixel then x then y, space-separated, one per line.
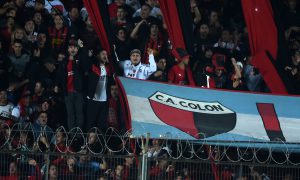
pixel 135 51
pixel 180 53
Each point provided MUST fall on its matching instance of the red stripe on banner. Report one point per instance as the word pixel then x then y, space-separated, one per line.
pixel 171 18
pixel 269 73
pixel 92 7
pixel 269 116
pixel 263 37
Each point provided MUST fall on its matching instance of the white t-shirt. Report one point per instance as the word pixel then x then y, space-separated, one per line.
pixel 100 93
pixel 5 111
pixel 140 71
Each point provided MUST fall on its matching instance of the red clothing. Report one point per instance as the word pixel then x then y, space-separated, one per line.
pixel 58 37
pixel 70 79
pixel 156 45
pixel 112 9
pixel 9 177
pixel 178 76
pixel 112 120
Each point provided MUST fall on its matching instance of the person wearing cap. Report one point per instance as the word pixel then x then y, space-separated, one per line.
pixel 69 80
pixel 181 73
pixel 133 68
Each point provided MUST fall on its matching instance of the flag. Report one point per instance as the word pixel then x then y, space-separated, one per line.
pixel 178 18
pixel 266 40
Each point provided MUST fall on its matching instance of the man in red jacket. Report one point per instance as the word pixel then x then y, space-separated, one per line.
pixel 181 72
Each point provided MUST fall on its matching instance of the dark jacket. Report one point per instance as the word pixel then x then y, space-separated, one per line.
pixel 62 74
pixel 93 78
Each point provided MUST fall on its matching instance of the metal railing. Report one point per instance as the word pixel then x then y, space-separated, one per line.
pixel 26 152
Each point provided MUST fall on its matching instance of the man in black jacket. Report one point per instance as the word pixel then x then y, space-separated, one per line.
pixel 69 80
pixel 99 79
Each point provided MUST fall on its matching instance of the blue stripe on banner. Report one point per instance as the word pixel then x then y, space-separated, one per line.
pixel 245 103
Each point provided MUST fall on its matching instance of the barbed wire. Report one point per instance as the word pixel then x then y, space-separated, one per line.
pixel 27 137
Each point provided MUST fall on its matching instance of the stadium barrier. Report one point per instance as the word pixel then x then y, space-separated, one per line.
pixel 42 154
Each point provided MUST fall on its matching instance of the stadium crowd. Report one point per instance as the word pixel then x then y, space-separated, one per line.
pixel 54 72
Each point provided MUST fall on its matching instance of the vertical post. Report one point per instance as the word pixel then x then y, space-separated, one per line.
pixel 47 166
pixel 145 158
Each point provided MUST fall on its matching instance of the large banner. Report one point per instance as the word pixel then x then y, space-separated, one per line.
pixel 181 112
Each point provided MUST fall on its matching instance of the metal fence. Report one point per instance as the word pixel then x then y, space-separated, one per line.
pixel 80 166
pixel 26 153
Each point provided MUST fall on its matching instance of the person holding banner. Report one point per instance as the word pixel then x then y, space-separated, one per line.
pixel 133 68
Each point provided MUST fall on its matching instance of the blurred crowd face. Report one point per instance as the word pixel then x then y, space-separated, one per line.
pixel 204 30
pixel 37 18
pixel 213 18
pixel 58 21
pixel 226 36
pixel 38 6
pixel 186 60
pixel 129 161
pixel 121 35
pixel 114 91
pixel 145 12
pixel 161 64
pixel 88 23
pixel 121 14
pixel 52 172
pixel 11 13
pixel 45 106
pixel 10 22
pixel 296 58
pixel 72 50
pixel 154 29
pixel 19 3
pixel 135 58
pixel 42 38
pixel 13 169
pixel 71 163
pixel 219 72
pixel 17 48
pixel 74 13
pixel 3 98
pixel 43 119
pixel 38 88
pixel 19 33
pixel 119 170
pixel 92 138
pixel 29 26
pixel 292 4
pixel 103 57
pixel 60 138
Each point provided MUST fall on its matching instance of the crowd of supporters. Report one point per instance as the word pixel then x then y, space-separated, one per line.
pixel 54 72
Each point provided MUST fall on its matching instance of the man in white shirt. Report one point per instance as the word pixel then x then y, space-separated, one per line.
pixel 5 107
pixel 133 68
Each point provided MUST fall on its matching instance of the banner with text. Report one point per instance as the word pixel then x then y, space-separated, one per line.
pixel 180 112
